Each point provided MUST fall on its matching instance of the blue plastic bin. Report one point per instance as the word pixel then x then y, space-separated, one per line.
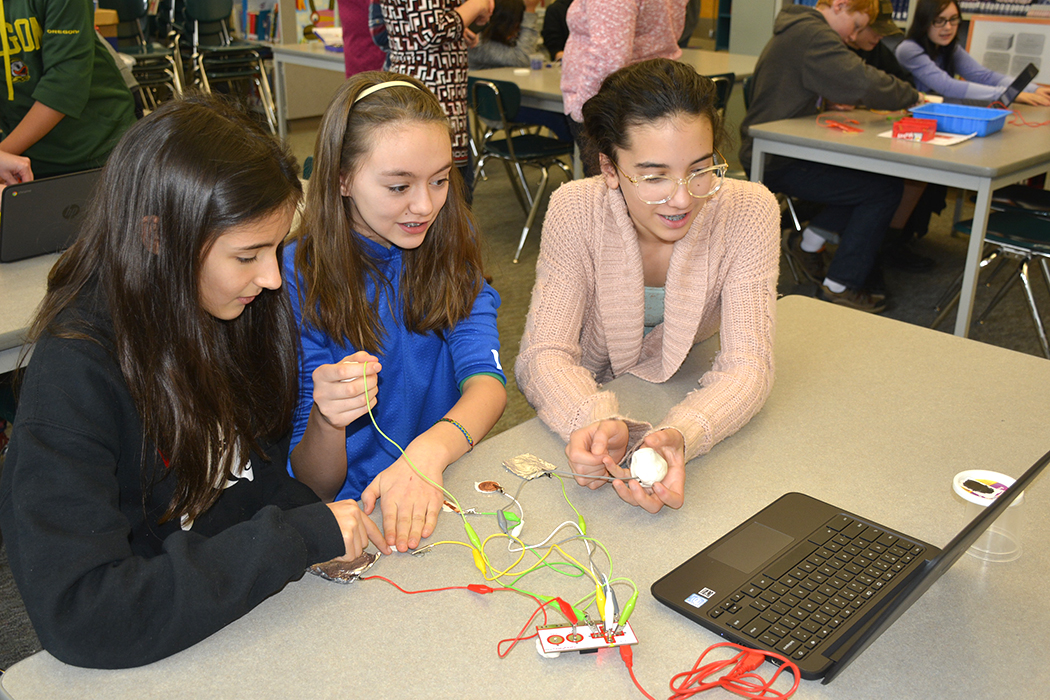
pixel 961 119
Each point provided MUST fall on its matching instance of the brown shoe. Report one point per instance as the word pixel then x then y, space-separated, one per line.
pixel 853 299
pixel 811 264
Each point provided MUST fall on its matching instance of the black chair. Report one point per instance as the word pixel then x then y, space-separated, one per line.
pixel 1015 235
pixel 219 58
pixel 495 104
pixel 724 88
pixel 157 68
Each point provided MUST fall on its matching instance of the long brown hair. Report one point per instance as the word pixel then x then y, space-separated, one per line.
pixel 440 279
pixel 205 389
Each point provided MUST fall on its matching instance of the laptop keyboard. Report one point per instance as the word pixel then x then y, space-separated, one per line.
pixel 804 596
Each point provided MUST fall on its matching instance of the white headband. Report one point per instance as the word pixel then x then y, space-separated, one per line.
pixel 382 86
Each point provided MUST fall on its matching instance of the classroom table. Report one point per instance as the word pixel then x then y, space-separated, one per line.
pixel 311 55
pixel 540 89
pixel 868 413
pixel 980 164
pixel 22 288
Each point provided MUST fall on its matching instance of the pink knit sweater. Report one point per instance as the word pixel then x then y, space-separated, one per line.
pixel 606 35
pixel 585 322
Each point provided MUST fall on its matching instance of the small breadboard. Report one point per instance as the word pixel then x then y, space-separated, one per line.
pixel 557 639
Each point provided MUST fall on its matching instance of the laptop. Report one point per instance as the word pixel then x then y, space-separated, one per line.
pixel 43 216
pixel 813 582
pixel 1009 94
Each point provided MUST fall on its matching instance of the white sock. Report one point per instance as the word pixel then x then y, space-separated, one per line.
pixel 811 242
pixel 834 286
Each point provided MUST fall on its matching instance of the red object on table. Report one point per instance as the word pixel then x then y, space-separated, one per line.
pixel 915 129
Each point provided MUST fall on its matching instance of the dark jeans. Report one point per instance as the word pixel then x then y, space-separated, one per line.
pixel 859 207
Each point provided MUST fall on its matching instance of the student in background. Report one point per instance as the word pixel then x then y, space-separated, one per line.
pixel 507 41
pixel 658 253
pixel 64 102
pixel 606 35
pixel 509 37
pixel 805 66
pixel 932 54
pixel 869 45
pixel 555 30
pixel 386 281
pixel 360 53
pixel 145 502
pixel 428 39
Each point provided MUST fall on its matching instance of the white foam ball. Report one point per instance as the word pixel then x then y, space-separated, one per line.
pixel 648 466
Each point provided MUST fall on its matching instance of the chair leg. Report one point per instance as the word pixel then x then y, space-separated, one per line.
pixel 525 184
pixel 948 300
pixel 1027 284
pixel 544 176
pixel 1007 286
pixel 205 85
pixel 267 97
pixel 524 198
pixel 785 236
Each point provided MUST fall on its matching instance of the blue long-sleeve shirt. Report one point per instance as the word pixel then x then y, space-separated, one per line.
pixel 979 83
pixel 421 377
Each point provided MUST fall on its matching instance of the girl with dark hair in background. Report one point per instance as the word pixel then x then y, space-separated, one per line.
pixel 386 281
pixel 931 53
pixel 509 37
pixel 144 501
pixel 637 265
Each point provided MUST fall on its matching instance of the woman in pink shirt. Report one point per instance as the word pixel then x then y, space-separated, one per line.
pixel 606 35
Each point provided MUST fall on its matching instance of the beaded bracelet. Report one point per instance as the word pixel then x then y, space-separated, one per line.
pixel 463 430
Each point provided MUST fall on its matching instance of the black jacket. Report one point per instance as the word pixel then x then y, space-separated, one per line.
pixel 105 585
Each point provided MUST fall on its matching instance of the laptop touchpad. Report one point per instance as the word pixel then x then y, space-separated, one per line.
pixel 753 545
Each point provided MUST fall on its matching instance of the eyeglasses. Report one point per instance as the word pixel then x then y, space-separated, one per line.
pixel 941 21
pixel 657 189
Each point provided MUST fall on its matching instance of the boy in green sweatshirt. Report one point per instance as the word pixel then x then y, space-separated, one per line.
pixel 63 102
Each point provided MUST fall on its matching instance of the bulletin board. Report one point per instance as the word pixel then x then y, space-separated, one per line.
pixel 1008 44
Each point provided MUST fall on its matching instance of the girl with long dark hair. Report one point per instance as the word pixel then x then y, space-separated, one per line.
pixel 386 280
pixel 145 501
pixel 931 53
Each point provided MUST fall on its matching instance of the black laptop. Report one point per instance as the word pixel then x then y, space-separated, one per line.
pixel 813 582
pixel 1009 94
pixel 43 216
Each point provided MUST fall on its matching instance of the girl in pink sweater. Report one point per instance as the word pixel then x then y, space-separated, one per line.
pixel 637 265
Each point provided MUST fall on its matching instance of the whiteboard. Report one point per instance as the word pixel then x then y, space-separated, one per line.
pixel 1008 44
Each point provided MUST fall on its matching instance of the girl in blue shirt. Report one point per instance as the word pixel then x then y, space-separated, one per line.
pixel 386 283
pixel 931 53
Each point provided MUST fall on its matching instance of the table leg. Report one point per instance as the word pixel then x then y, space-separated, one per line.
pixel 279 97
pixel 758 161
pixel 973 259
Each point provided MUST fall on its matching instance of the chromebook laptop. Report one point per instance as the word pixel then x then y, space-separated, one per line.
pixel 43 216
pixel 1009 94
pixel 813 582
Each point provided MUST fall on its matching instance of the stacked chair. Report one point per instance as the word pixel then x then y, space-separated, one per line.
pixel 157 69
pixel 216 57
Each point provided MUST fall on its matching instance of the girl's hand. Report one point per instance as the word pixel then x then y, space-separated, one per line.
pixel 669 492
pixel 357 529
pixel 470 38
pixel 339 389
pixel 1040 99
pixel 410 505
pixel 596 450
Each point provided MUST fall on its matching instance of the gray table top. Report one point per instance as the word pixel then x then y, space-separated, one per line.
pixel 1014 148
pixel 22 287
pixel 871 414
pixel 546 83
